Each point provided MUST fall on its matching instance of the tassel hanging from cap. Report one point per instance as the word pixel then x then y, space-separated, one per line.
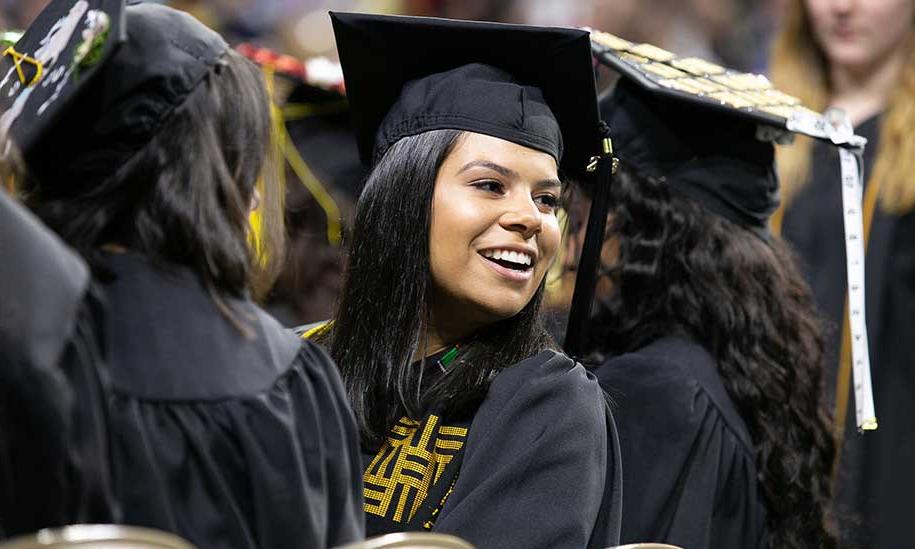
pixel 586 278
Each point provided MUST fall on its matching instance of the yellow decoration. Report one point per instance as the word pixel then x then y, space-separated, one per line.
pixel 19 59
pixel 287 153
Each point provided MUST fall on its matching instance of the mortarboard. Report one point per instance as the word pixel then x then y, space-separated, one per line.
pixel 91 81
pixel 710 133
pixel 533 86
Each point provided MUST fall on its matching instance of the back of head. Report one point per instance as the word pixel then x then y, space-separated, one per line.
pixel 161 151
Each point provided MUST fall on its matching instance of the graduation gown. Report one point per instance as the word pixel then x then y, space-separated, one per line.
pixel 536 466
pixel 876 474
pixel 226 440
pixel 53 442
pixel 689 463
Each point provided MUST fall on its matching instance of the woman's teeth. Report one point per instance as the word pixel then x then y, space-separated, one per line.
pixel 519 259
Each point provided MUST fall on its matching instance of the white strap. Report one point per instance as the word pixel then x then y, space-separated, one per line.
pixel 835 127
pixel 853 218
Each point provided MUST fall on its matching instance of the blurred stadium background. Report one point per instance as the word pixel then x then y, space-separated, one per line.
pixel 733 32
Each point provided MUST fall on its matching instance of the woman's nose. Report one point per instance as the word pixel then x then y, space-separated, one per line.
pixel 522 216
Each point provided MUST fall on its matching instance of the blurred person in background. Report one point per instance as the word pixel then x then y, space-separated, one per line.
pixel 225 428
pixel 322 175
pixel 857 55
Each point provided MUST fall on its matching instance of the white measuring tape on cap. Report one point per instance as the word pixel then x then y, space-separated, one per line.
pixel 836 128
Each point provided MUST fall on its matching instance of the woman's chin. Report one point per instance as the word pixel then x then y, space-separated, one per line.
pixel 499 310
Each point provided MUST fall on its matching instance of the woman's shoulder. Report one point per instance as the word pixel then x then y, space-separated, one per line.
pixel 169 341
pixel 550 372
pixel 546 388
pixel 675 379
pixel 669 358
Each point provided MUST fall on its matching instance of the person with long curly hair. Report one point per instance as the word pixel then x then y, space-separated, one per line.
pixel 859 57
pixel 706 337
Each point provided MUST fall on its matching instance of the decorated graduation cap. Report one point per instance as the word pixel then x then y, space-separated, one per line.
pixel 91 81
pixel 709 133
pixel 533 86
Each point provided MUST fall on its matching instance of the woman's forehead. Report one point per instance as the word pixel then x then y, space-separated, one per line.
pixel 479 151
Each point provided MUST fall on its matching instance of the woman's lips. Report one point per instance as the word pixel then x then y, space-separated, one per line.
pixel 509 274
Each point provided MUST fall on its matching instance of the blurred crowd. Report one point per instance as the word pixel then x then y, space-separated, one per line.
pixel 735 32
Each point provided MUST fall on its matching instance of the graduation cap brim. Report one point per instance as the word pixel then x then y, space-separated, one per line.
pixel 704 85
pixel 57 56
pixel 382 53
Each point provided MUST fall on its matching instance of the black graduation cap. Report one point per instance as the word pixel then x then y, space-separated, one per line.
pixel 91 81
pixel 530 85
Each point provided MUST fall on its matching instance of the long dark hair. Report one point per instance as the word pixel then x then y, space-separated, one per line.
pixel 679 269
pixel 184 197
pixel 386 293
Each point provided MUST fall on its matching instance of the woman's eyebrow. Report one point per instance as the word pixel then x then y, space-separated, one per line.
pixel 502 170
pixel 548 184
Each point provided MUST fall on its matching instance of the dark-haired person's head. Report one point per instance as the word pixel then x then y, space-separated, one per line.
pixel 454 233
pixel 160 152
pixel 690 253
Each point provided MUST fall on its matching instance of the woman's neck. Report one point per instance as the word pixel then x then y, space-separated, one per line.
pixel 441 332
pixel 864 91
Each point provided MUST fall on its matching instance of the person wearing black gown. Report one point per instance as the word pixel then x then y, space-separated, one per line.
pixel 53 433
pixel 872 78
pixel 225 428
pixel 707 339
pixel 472 422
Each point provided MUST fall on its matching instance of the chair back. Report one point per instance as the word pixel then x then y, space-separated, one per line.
pixel 645 545
pixel 410 540
pixel 97 536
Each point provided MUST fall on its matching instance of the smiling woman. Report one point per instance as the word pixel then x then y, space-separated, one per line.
pixel 472 422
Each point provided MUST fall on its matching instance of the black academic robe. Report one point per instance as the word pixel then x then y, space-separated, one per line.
pixel 689 476
pixel 53 440
pixel 876 474
pixel 227 440
pixel 536 466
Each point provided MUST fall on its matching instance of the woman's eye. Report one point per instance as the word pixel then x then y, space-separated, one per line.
pixel 550 201
pixel 490 186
